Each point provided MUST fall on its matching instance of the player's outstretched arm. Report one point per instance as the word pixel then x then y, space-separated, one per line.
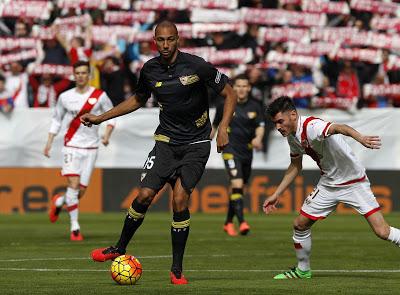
pixel 371 142
pixel 127 106
pixel 229 109
pixel 292 171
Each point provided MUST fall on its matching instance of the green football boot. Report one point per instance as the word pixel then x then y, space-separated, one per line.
pixel 294 273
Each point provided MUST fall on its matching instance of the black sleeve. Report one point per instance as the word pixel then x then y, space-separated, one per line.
pixel 211 76
pixel 142 89
pixel 260 116
pixel 218 115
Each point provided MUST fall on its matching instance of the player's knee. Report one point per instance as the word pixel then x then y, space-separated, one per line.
pixel 382 231
pixel 300 226
pixel 145 197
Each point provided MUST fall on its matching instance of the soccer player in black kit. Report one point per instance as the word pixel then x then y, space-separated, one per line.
pixel 246 132
pixel 179 82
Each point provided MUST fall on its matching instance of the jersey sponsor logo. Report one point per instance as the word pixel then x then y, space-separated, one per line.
pixel 251 115
pixel 202 120
pixel 187 80
pixel 218 77
pixel 158 84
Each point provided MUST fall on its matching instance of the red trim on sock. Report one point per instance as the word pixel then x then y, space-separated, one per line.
pixel 310 216
pixel 369 213
pixel 73 207
pixel 297 246
pixel 83 186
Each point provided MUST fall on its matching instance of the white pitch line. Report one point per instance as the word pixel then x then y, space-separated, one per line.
pixel 206 270
pixel 89 258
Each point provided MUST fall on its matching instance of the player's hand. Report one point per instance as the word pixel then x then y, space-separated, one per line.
pixel 371 142
pixel 46 150
pixel 90 119
pixel 257 144
pixel 222 139
pixel 270 204
pixel 105 141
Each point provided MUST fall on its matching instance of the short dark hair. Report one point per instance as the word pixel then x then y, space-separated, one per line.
pixel 241 77
pixel 81 63
pixel 2 78
pixel 281 104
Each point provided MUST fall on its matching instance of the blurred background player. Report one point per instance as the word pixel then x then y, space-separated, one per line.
pixel 179 81
pixel 246 132
pixel 343 178
pixel 80 142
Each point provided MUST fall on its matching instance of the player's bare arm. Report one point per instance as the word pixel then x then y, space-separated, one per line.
pixel 105 139
pixel 49 143
pixel 129 105
pixel 371 142
pixel 257 140
pixel 229 109
pixel 292 171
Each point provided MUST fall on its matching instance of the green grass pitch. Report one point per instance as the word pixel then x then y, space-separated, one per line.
pixel 36 257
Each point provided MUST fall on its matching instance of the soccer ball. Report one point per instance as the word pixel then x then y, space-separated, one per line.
pixel 126 270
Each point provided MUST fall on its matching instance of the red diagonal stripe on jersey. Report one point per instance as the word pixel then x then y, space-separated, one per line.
pixel 75 123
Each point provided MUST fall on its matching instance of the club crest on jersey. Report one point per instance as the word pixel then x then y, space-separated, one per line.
pixel 92 100
pixel 142 176
pixel 187 80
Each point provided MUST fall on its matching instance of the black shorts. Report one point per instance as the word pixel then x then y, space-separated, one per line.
pixel 237 168
pixel 167 162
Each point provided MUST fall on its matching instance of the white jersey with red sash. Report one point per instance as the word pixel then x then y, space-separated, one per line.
pixel 70 106
pixel 337 162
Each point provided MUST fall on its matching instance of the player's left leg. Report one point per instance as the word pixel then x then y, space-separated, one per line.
pixel 382 229
pixel 179 231
pixel 302 245
pixel 72 201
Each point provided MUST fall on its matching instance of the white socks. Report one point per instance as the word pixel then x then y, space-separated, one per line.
pixel 394 236
pixel 60 201
pixel 71 199
pixel 302 245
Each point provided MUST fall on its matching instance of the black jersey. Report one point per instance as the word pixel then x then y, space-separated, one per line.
pixel 247 117
pixel 181 92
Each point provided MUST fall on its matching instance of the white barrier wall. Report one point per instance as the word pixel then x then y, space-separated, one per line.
pixel 23 136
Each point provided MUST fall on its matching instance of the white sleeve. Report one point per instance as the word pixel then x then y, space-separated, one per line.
pixel 318 129
pixel 107 105
pixel 58 115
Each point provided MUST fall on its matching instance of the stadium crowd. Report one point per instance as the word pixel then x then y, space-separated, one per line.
pixel 323 54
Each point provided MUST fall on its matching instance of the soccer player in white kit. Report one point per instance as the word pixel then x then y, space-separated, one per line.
pixel 80 142
pixel 343 178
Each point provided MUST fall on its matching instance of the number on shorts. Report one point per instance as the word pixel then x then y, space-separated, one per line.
pixel 149 162
pixel 67 158
pixel 231 163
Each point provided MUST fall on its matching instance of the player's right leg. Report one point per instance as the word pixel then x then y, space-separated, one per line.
pixel 382 229
pixel 133 220
pixel 156 171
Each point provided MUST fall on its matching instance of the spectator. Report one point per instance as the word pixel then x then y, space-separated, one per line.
pixel 17 85
pixel 112 80
pixel 46 90
pixel 348 85
pixel 6 101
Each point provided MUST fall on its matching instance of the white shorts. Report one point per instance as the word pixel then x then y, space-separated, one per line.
pixel 78 162
pixel 323 200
